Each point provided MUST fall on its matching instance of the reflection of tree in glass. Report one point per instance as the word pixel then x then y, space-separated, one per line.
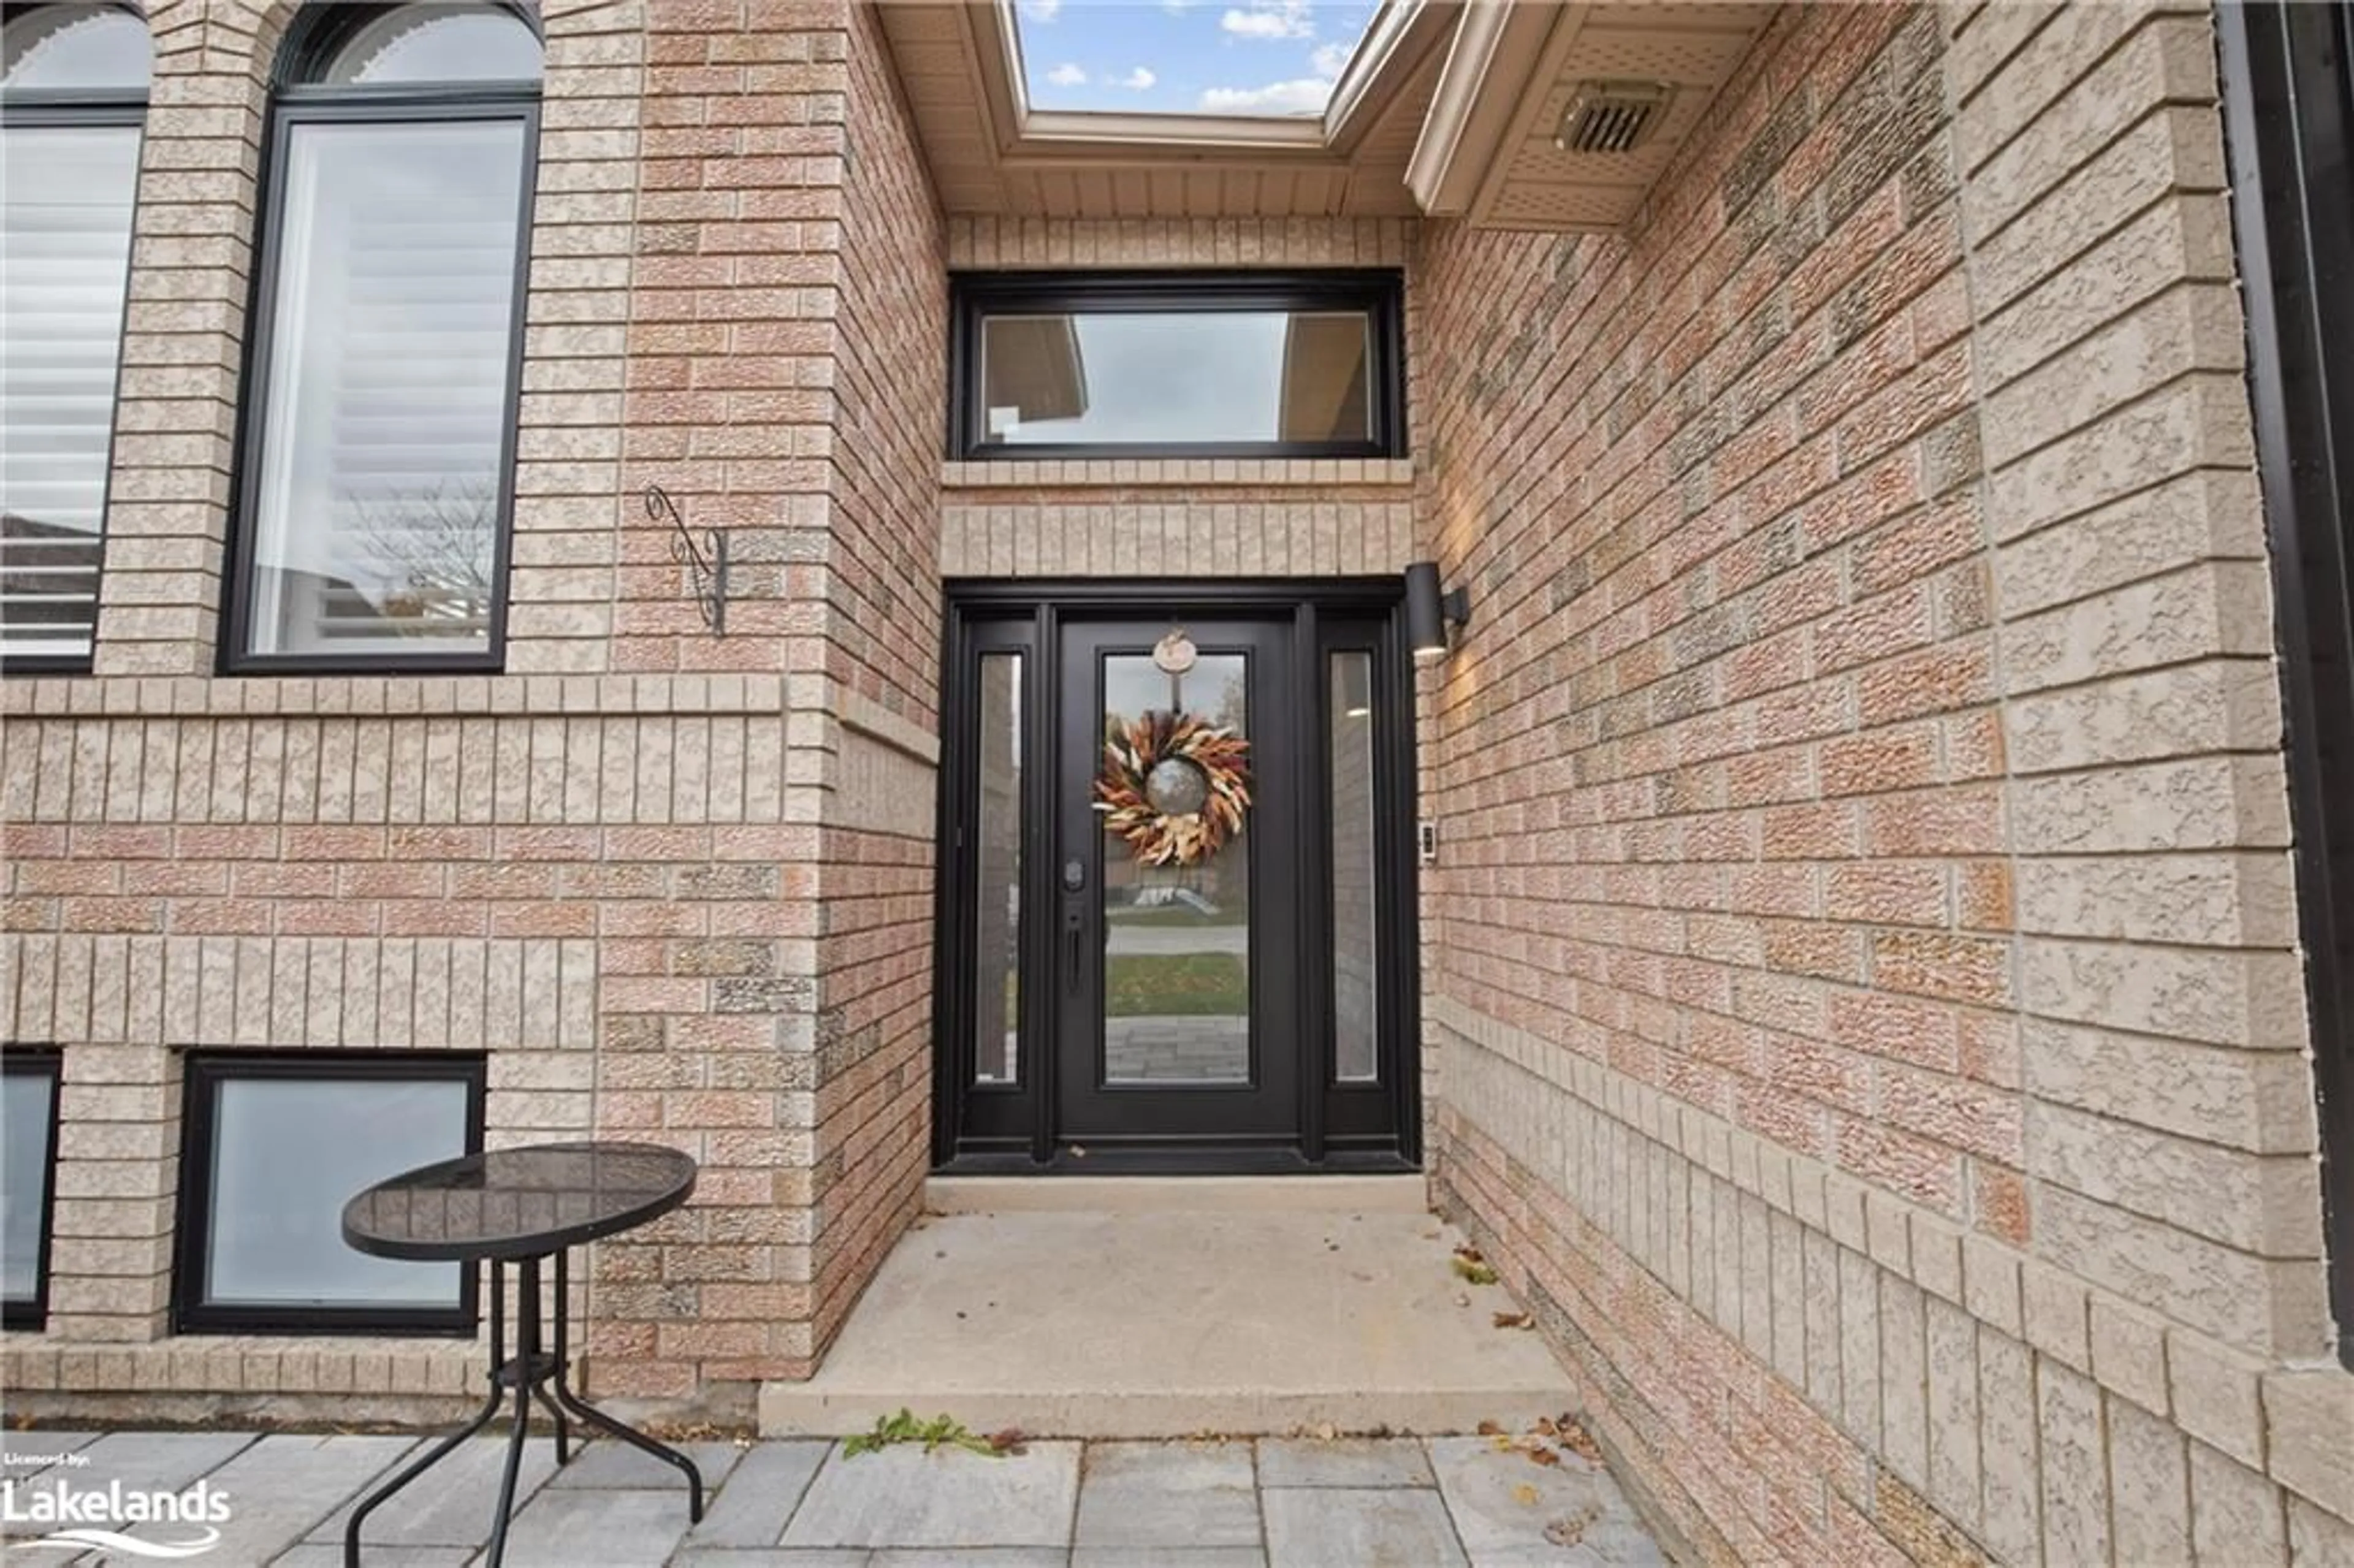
pixel 1233 709
pixel 430 554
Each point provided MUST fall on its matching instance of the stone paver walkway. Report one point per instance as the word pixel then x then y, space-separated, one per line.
pixel 1273 1503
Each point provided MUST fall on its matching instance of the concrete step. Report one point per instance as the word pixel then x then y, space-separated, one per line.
pixel 1154 1323
pixel 1175 1194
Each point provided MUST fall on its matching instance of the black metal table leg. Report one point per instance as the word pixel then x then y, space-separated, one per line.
pixel 592 1416
pixel 449 1444
pixel 527 1368
pixel 539 1382
pixel 533 1372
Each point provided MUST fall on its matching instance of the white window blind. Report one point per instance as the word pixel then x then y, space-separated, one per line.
pixel 65 198
pixel 388 388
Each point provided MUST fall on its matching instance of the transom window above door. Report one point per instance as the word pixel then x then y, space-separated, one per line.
pixel 1178 365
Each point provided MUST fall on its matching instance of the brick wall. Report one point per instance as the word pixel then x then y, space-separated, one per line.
pixel 1860 970
pixel 676 885
pixel 192 252
pixel 883 598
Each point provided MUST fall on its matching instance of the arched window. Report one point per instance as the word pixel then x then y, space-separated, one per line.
pixel 378 441
pixel 73 91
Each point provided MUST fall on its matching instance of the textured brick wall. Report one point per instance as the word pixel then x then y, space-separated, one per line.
pixel 192 252
pixel 883 597
pixel 1861 967
pixel 676 885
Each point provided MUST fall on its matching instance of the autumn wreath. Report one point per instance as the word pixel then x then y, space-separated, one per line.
pixel 1174 787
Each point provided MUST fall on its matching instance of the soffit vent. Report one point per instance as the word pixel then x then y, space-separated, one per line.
pixel 1612 116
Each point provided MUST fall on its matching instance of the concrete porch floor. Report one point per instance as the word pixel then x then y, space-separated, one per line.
pixel 1075 1308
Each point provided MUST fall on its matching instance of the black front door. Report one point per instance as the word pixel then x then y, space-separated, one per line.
pixel 1178 978
pixel 1176 894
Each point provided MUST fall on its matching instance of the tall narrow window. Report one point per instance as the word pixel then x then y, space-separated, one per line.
pixel 997 912
pixel 1356 833
pixel 74 91
pixel 380 445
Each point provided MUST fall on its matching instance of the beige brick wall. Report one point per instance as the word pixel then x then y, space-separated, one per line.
pixel 676 885
pixel 884 602
pixel 1899 1115
pixel 183 327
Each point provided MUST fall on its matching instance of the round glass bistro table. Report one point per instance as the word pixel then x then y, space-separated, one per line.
pixel 522 1206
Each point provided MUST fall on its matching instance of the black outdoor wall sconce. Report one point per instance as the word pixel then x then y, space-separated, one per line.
pixel 707 565
pixel 1431 613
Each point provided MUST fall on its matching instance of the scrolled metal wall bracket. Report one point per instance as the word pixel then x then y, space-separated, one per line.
pixel 707 563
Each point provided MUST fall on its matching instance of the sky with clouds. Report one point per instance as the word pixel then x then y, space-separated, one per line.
pixel 1213 57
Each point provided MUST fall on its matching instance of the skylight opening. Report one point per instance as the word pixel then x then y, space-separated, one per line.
pixel 1262 59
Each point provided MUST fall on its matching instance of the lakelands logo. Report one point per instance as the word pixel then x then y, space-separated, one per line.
pixel 95 1517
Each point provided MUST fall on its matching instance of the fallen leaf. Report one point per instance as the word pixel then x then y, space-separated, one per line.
pixel 1474 1270
pixel 1009 1441
pixel 1544 1425
pixel 1540 1454
pixel 1489 1429
pixel 1579 1441
pixel 1525 1495
pixel 1514 1320
pixel 1570 1528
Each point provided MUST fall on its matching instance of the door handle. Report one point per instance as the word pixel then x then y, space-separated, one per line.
pixel 1075 920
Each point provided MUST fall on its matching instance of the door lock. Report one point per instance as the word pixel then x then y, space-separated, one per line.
pixel 1074 921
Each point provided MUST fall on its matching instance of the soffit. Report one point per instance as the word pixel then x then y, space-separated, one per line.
pixel 1487 153
pixel 990 153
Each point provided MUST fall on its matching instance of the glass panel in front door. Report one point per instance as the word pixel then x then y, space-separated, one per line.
pixel 1176 942
pixel 1355 993
pixel 997 913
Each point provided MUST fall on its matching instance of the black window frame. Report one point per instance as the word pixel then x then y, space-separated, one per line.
pixel 2288 101
pixel 205 1071
pixel 32 108
pixel 31 1314
pixel 1378 292
pixel 321 31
